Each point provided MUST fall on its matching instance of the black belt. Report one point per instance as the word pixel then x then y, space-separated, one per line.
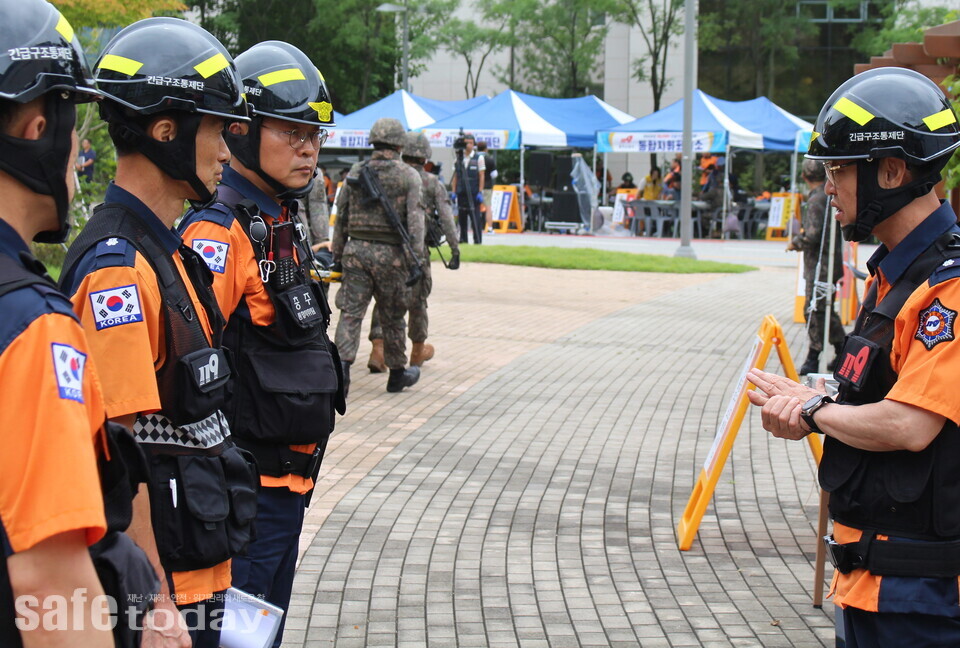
pixel 277 461
pixel 936 559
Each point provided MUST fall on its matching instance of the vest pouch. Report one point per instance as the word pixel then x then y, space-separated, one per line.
pixel 126 575
pixel 284 398
pixel 200 386
pixel 243 484
pixel 855 361
pixel 190 508
pixel 906 476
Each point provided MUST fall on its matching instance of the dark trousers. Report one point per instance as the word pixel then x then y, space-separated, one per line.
pixel 267 569
pixel 882 629
pixel 476 221
pixel 204 620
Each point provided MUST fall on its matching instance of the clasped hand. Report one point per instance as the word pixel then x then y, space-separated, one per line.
pixel 780 400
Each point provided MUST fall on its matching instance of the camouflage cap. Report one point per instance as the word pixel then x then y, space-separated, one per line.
pixel 416 145
pixel 387 130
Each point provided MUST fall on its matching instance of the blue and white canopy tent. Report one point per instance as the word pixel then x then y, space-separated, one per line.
pixel 413 111
pixel 514 120
pixel 719 126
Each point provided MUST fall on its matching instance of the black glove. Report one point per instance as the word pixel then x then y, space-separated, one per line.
pixel 454 261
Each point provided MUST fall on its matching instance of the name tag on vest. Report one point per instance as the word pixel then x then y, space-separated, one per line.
pixel 209 368
pixel 301 304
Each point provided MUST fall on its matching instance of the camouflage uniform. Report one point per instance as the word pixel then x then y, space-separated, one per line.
pixel 435 200
pixel 808 242
pixel 374 262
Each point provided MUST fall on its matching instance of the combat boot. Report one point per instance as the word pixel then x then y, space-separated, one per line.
pixel 400 378
pixel 376 364
pixel 420 353
pixel 346 377
pixel 811 364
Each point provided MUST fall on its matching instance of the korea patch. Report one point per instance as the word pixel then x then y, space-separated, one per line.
pixel 213 252
pixel 116 306
pixel 936 325
pixel 68 365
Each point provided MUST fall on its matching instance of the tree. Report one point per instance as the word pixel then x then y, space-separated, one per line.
pixel 766 32
pixel 98 13
pixel 556 44
pixel 658 22
pixel 901 21
pixel 474 44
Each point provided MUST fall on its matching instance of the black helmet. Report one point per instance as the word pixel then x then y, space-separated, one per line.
pixel 40 55
pixel 158 65
pixel 886 112
pixel 279 81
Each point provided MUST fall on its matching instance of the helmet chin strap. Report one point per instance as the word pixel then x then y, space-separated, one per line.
pixel 875 204
pixel 246 148
pixel 177 158
pixel 41 164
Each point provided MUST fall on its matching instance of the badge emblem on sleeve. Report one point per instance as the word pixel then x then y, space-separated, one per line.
pixel 68 365
pixel 936 325
pixel 214 253
pixel 116 306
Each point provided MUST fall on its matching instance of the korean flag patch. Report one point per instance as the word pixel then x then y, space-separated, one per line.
pixel 116 306
pixel 68 365
pixel 936 324
pixel 213 252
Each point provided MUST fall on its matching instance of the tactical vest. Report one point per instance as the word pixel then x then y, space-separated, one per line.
pixel 289 383
pixel 122 567
pixel 203 489
pixel 472 176
pixel 900 493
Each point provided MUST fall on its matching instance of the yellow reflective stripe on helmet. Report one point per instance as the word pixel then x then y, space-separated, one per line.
pixel 64 28
pixel 814 136
pixel 324 109
pixel 939 120
pixel 849 109
pixel 212 65
pixel 288 74
pixel 120 64
pixel 320 74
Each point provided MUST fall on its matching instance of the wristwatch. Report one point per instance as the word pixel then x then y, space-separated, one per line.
pixel 811 407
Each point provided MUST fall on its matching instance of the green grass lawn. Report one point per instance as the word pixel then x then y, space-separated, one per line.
pixel 586 259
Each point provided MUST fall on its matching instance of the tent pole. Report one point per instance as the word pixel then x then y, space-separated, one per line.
pixel 603 198
pixel 726 189
pixel 686 183
pixel 523 183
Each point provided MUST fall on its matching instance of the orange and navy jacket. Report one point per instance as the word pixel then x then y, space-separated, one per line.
pixel 927 362
pixel 222 242
pixel 116 295
pixel 51 417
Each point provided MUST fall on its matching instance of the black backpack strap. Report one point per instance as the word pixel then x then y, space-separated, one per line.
pixel 14 276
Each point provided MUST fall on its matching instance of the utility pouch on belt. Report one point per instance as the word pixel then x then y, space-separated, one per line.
pixel 202 507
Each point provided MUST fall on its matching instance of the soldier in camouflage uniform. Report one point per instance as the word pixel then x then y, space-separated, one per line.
pixel 371 255
pixel 436 204
pixel 808 241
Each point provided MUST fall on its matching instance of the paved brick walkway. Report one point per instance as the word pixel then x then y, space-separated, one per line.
pixel 526 491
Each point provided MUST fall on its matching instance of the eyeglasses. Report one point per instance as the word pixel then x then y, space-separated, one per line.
pixel 297 138
pixel 831 169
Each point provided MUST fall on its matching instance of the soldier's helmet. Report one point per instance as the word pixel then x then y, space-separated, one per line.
pixel 416 145
pixel 40 55
pixel 886 112
pixel 389 131
pixel 168 65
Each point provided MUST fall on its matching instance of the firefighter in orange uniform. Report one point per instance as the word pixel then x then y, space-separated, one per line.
pixel 145 301
pixel 892 445
pixel 288 384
